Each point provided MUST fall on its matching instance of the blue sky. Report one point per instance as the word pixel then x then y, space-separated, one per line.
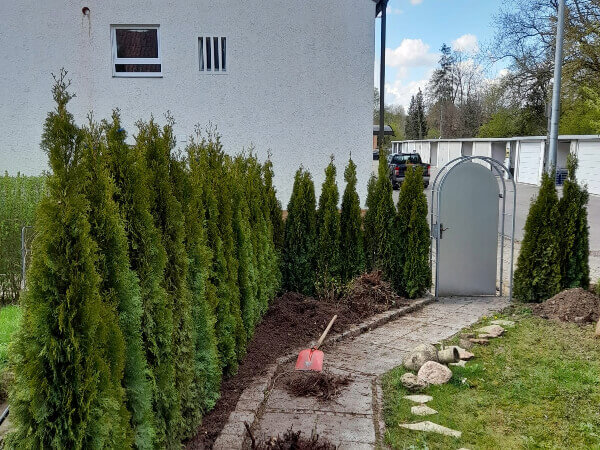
pixel 416 29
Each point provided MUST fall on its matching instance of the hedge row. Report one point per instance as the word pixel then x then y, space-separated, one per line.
pixel 19 197
pixel 149 273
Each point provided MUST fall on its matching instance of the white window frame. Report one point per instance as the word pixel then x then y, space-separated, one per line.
pixel 202 54
pixel 116 60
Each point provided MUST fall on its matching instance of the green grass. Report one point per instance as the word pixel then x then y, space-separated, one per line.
pixel 536 387
pixel 9 322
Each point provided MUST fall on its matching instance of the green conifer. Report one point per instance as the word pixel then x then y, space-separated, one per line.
pixel 574 245
pixel 370 240
pixel 352 257
pixel 65 393
pixel 168 218
pixel 273 206
pixel 300 234
pixel 413 274
pixel 119 286
pixel 327 253
pixel 537 277
pixel 148 260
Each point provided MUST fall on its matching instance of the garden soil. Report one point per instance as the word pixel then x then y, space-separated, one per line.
pixel 294 321
pixel 572 305
pixel 323 386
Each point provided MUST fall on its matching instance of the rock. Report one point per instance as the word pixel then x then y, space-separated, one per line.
pixel 461 363
pixel 463 354
pixel 418 398
pixel 492 330
pixel 413 383
pixel 431 427
pixel 467 335
pixel 465 343
pixel 480 341
pixel 419 356
pixel 503 323
pixel 422 410
pixel 434 373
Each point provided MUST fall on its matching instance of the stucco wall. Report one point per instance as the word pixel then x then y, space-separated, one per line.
pixel 299 81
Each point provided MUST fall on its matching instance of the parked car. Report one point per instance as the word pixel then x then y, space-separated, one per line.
pixel 399 162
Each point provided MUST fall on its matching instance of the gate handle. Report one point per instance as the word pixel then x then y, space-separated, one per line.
pixel 442 229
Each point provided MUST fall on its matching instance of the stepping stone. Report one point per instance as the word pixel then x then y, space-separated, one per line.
pixel 503 323
pixel 432 428
pixel 480 341
pixel 491 330
pixel 418 398
pixel 422 410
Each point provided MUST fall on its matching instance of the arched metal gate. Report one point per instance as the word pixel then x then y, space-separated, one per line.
pixel 468 216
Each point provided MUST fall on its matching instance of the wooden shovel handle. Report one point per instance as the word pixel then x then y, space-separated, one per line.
pixel 324 335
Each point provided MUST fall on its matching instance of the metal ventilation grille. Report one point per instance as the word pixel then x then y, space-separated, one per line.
pixel 212 54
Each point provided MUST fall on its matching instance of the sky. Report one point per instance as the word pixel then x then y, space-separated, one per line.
pixel 416 30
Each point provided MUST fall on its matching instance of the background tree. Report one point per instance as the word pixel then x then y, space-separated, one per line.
pixel 119 286
pixel 416 123
pixel 413 276
pixel 394 116
pixel 537 277
pixel 574 239
pixel 300 234
pixel 352 257
pixel 65 394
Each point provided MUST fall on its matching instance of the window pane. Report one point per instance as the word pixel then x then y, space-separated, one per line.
pixel 148 68
pixel 223 53
pixel 201 52
pixel 216 46
pixel 208 54
pixel 137 43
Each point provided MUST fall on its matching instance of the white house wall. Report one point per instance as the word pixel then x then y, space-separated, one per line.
pixel 296 72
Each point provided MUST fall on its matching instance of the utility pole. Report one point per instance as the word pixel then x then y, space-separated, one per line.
pixel 558 61
pixel 383 4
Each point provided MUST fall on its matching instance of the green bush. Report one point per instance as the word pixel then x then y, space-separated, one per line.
pixel 273 206
pixel 413 276
pixel 67 393
pixel 327 253
pixel 300 234
pixel 380 220
pixel 352 256
pixel 574 245
pixel 19 197
pixel 119 286
pixel 148 260
pixel 537 277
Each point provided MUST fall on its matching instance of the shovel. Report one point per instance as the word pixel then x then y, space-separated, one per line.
pixel 312 358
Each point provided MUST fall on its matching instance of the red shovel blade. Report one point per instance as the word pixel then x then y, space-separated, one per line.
pixel 310 359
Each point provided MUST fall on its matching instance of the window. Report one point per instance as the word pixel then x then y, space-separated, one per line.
pixel 136 51
pixel 212 54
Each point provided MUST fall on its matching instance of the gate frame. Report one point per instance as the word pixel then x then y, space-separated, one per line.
pixel 436 190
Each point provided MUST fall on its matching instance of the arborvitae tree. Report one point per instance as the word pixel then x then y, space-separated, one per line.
pixel 370 238
pixel 207 368
pixel 328 231
pixel 352 257
pixel 119 287
pixel 223 290
pixel 413 275
pixel 65 393
pixel 273 206
pixel 300 234
pixel 379 222
pixel 537 277
pixel 574 245
pixel 148 260
pixel 247 277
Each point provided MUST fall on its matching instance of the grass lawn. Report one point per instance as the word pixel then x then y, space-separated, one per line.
pixel 9 321
pixel 536 387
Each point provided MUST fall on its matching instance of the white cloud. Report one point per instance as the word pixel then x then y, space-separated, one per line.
pixel 410 53
pixel 466 43
pixel 416 2
pixel 396 11
pixel 399 91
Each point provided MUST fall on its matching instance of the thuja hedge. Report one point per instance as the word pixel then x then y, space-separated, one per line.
pixel 150 270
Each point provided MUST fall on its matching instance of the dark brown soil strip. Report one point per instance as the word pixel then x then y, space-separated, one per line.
pixel 294 321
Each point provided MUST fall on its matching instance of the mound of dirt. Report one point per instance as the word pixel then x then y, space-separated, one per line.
pixel 294 321
pixel 322 385
pixel 292 440
pixel 572 305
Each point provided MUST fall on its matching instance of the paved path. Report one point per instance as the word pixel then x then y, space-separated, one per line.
pixel 352 421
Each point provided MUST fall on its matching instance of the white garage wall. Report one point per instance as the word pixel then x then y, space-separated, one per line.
pixel 529 167
pixel 588 153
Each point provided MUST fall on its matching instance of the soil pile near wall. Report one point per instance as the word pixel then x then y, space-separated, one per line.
pixel 324 386
pixel 292 322
pixel 572 305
